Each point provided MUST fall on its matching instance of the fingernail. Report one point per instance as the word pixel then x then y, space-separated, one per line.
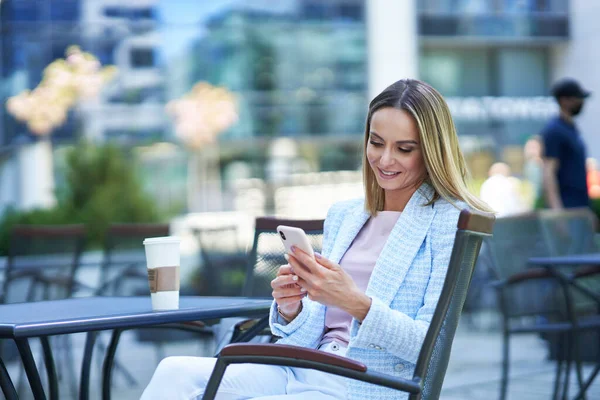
pixel 287 258
pixel 294 278
pixel 302 289
pixel 293 248
pixel 318 255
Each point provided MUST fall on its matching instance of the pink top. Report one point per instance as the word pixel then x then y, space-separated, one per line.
pixel 359 261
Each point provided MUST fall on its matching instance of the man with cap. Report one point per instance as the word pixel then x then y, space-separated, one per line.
pixel 565 184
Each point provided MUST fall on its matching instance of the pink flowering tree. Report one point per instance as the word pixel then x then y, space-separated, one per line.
pixel 199 117
pixel 65 83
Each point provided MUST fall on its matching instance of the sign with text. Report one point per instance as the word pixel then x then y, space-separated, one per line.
pixel 490 108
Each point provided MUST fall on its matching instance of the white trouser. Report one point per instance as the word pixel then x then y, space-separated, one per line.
pixel 186 378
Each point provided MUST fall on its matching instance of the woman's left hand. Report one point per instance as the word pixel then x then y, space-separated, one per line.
pixel 327 283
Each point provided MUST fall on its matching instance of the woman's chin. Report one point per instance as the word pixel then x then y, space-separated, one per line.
pixel 388 185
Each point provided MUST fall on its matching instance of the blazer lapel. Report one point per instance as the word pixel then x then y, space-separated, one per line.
pixel 351 225
pixel 402 246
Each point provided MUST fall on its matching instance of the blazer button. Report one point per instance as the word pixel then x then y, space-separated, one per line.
pixel 399 368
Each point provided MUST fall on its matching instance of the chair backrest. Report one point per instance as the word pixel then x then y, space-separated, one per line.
pixel 433 359
pixel 267 252
pixel 569 231
pixel 223 257
pixel 42 262
pixel 123 270
pixel 516 239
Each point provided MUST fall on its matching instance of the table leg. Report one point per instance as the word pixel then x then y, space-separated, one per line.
pixel 585 387
pixel 108 363
pixel 8 389
pixel 50 368
pixel 86 365
pixel 30 369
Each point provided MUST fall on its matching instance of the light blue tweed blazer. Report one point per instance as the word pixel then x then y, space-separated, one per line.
pixel 404 287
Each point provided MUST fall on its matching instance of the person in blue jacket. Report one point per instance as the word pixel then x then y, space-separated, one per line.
pixel 371 294
pixel 565 174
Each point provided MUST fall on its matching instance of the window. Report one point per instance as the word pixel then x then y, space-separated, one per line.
pixel 64 10
pixel 142 58
pixel 458 72
pixel 351 12
pixel 316 10
pixel 129 13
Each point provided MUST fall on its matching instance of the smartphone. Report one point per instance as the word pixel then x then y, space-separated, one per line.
pixel 291 236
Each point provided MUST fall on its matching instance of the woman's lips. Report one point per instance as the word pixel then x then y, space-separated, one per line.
pixel 384 176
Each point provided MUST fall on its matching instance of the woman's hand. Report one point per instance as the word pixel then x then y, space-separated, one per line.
pixel 286 292
pixel 328 284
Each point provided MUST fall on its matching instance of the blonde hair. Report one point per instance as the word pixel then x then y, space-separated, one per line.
pixel 444 161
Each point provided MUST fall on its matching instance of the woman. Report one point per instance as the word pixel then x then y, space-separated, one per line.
pixel 371 295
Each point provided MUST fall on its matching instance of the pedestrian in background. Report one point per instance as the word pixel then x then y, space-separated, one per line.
pixel 533 168
pixel 502 191
pixel 565 184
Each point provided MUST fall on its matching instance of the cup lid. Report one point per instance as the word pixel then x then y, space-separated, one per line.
pixel 161 240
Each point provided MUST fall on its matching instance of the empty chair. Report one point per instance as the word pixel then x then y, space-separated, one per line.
pixel 527 297
pixel 42 264
pixel 572 232
pixel 123 269
pixel 223 257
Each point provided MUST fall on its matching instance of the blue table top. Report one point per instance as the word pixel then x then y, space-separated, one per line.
pixel 100 313
pixel 575 259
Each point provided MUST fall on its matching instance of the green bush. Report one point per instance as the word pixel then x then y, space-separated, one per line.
pixel 595 204
pixel 100 187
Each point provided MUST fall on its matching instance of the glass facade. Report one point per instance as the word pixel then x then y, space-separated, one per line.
pixel 297 71
pixel 34 33
pixel 490 73
pixel 298 67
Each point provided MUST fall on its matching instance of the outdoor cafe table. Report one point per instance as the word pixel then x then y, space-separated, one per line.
pixel 22 321
pixel 554 263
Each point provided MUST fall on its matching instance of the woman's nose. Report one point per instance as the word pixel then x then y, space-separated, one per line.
pixel 386 158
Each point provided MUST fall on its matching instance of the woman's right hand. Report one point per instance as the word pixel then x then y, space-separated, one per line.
pixel 287 293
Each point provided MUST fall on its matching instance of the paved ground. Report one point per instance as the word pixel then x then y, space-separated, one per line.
pixel 473 372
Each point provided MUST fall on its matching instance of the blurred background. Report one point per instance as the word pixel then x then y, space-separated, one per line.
pixel 210 112
pixel 302 73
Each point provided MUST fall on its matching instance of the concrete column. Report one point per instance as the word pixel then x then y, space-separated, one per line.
pixel 576 59
pixel 36 175
pixel 392 42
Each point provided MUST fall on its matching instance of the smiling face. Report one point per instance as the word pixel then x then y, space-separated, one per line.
pixel 395 155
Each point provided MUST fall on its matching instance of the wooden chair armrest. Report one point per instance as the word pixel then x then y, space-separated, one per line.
pixel 292 356
pixel 530 274
pixel 586 271
pixel 280 350
pixel 186 326
pixel 533 273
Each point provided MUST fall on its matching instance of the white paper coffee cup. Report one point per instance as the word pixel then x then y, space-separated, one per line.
pixel 163 259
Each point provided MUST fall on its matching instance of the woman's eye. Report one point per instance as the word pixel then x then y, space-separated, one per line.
pixel 376 144
pixel 404 150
